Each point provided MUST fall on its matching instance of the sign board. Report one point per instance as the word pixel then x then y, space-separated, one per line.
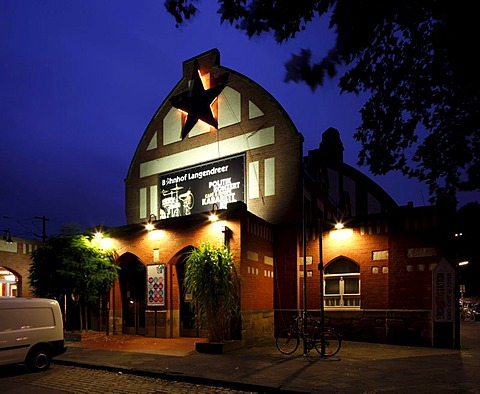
pixel 156 285
pixel 196 189
pixel 443 288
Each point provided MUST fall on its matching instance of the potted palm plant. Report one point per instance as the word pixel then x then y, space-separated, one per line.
pixel 212 283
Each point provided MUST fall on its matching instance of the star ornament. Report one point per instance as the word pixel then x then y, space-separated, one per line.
pixel 196 102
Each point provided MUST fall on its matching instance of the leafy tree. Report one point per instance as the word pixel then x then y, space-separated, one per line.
pixel 71 266
pixel 412 57
pixel 211 280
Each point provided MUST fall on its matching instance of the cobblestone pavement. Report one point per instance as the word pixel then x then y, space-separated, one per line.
pixel 76 380
pixel 358 368
pixel 129 364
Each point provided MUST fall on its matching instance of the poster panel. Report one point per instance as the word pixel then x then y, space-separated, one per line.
pixel 156 286
pixel 195 189
pixel 443 288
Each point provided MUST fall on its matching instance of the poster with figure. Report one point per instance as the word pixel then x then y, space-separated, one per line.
pixel 156 285
pixel 196 189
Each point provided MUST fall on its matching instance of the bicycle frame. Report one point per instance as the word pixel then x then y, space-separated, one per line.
pixel 326 341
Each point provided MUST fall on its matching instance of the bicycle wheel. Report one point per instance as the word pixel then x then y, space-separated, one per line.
pixel 287 341
pixel 330 341
pixel 466 315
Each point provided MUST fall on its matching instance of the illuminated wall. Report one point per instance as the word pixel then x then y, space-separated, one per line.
pixel 251 124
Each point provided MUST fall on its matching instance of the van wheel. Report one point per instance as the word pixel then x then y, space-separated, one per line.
pixel 39 359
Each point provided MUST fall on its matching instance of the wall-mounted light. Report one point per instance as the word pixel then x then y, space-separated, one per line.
pixel 341 233
pixel 155 235
pixel 150 226
pixel 213 215
pixel 102 241
pixel 106 244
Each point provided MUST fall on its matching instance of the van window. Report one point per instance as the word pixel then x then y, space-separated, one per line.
pixel 25 318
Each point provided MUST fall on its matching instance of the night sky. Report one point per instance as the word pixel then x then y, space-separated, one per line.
pixel 80 81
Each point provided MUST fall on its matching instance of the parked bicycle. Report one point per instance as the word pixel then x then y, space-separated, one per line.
pixel 326 341
pixel 467 312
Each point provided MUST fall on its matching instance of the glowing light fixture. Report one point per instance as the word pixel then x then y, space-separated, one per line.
pixel 341 233
pixel 463 263
pixel 150 226
pixel 213 215
pixel 156 235
pixel 106 244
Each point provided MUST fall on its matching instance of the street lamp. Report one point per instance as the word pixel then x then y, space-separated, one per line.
pixel 321 271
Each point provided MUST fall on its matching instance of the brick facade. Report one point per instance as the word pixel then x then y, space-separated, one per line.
pixel 15 260
pixel 377 282
pixel 267 239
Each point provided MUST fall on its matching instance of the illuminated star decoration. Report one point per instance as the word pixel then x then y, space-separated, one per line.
pixel 196 102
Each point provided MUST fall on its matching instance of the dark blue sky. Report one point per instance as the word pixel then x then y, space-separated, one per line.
pixel 80 81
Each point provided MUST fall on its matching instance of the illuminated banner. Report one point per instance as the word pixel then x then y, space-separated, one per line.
pixel 196 189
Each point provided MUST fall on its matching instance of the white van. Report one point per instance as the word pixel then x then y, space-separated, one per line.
pixel 31 331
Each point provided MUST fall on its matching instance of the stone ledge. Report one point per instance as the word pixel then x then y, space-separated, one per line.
pixel 77 336
pixel 218 347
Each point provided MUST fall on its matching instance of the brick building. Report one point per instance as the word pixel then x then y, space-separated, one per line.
pixel 219 143
pixel 14 265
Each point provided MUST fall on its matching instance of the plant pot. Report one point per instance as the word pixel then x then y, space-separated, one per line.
pixel 218 347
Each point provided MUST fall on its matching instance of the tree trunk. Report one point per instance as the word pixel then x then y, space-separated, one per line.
pixel 80 315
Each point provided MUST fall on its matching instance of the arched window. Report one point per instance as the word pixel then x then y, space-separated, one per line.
pixel 342 284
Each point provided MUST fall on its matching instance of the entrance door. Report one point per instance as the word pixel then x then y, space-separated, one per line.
pixel 133 286
pixel 187 316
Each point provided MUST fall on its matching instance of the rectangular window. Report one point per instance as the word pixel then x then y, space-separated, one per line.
pixel 270 176
pixel 352 286
pixel 143 203
pixel 154 200
pixel 380 255
pixel 342 291
pixel 253 177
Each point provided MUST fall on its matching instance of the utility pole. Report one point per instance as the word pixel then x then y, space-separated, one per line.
pixel 44 221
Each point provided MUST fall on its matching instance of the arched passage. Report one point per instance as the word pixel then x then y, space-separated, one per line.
pixel 187 316
pixel 132 278
pixel 9 282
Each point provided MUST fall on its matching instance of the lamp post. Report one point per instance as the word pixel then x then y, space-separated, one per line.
pixel 304 246
pixel 321 271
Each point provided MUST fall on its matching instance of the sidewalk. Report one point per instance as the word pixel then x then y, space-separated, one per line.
pixel 358 368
